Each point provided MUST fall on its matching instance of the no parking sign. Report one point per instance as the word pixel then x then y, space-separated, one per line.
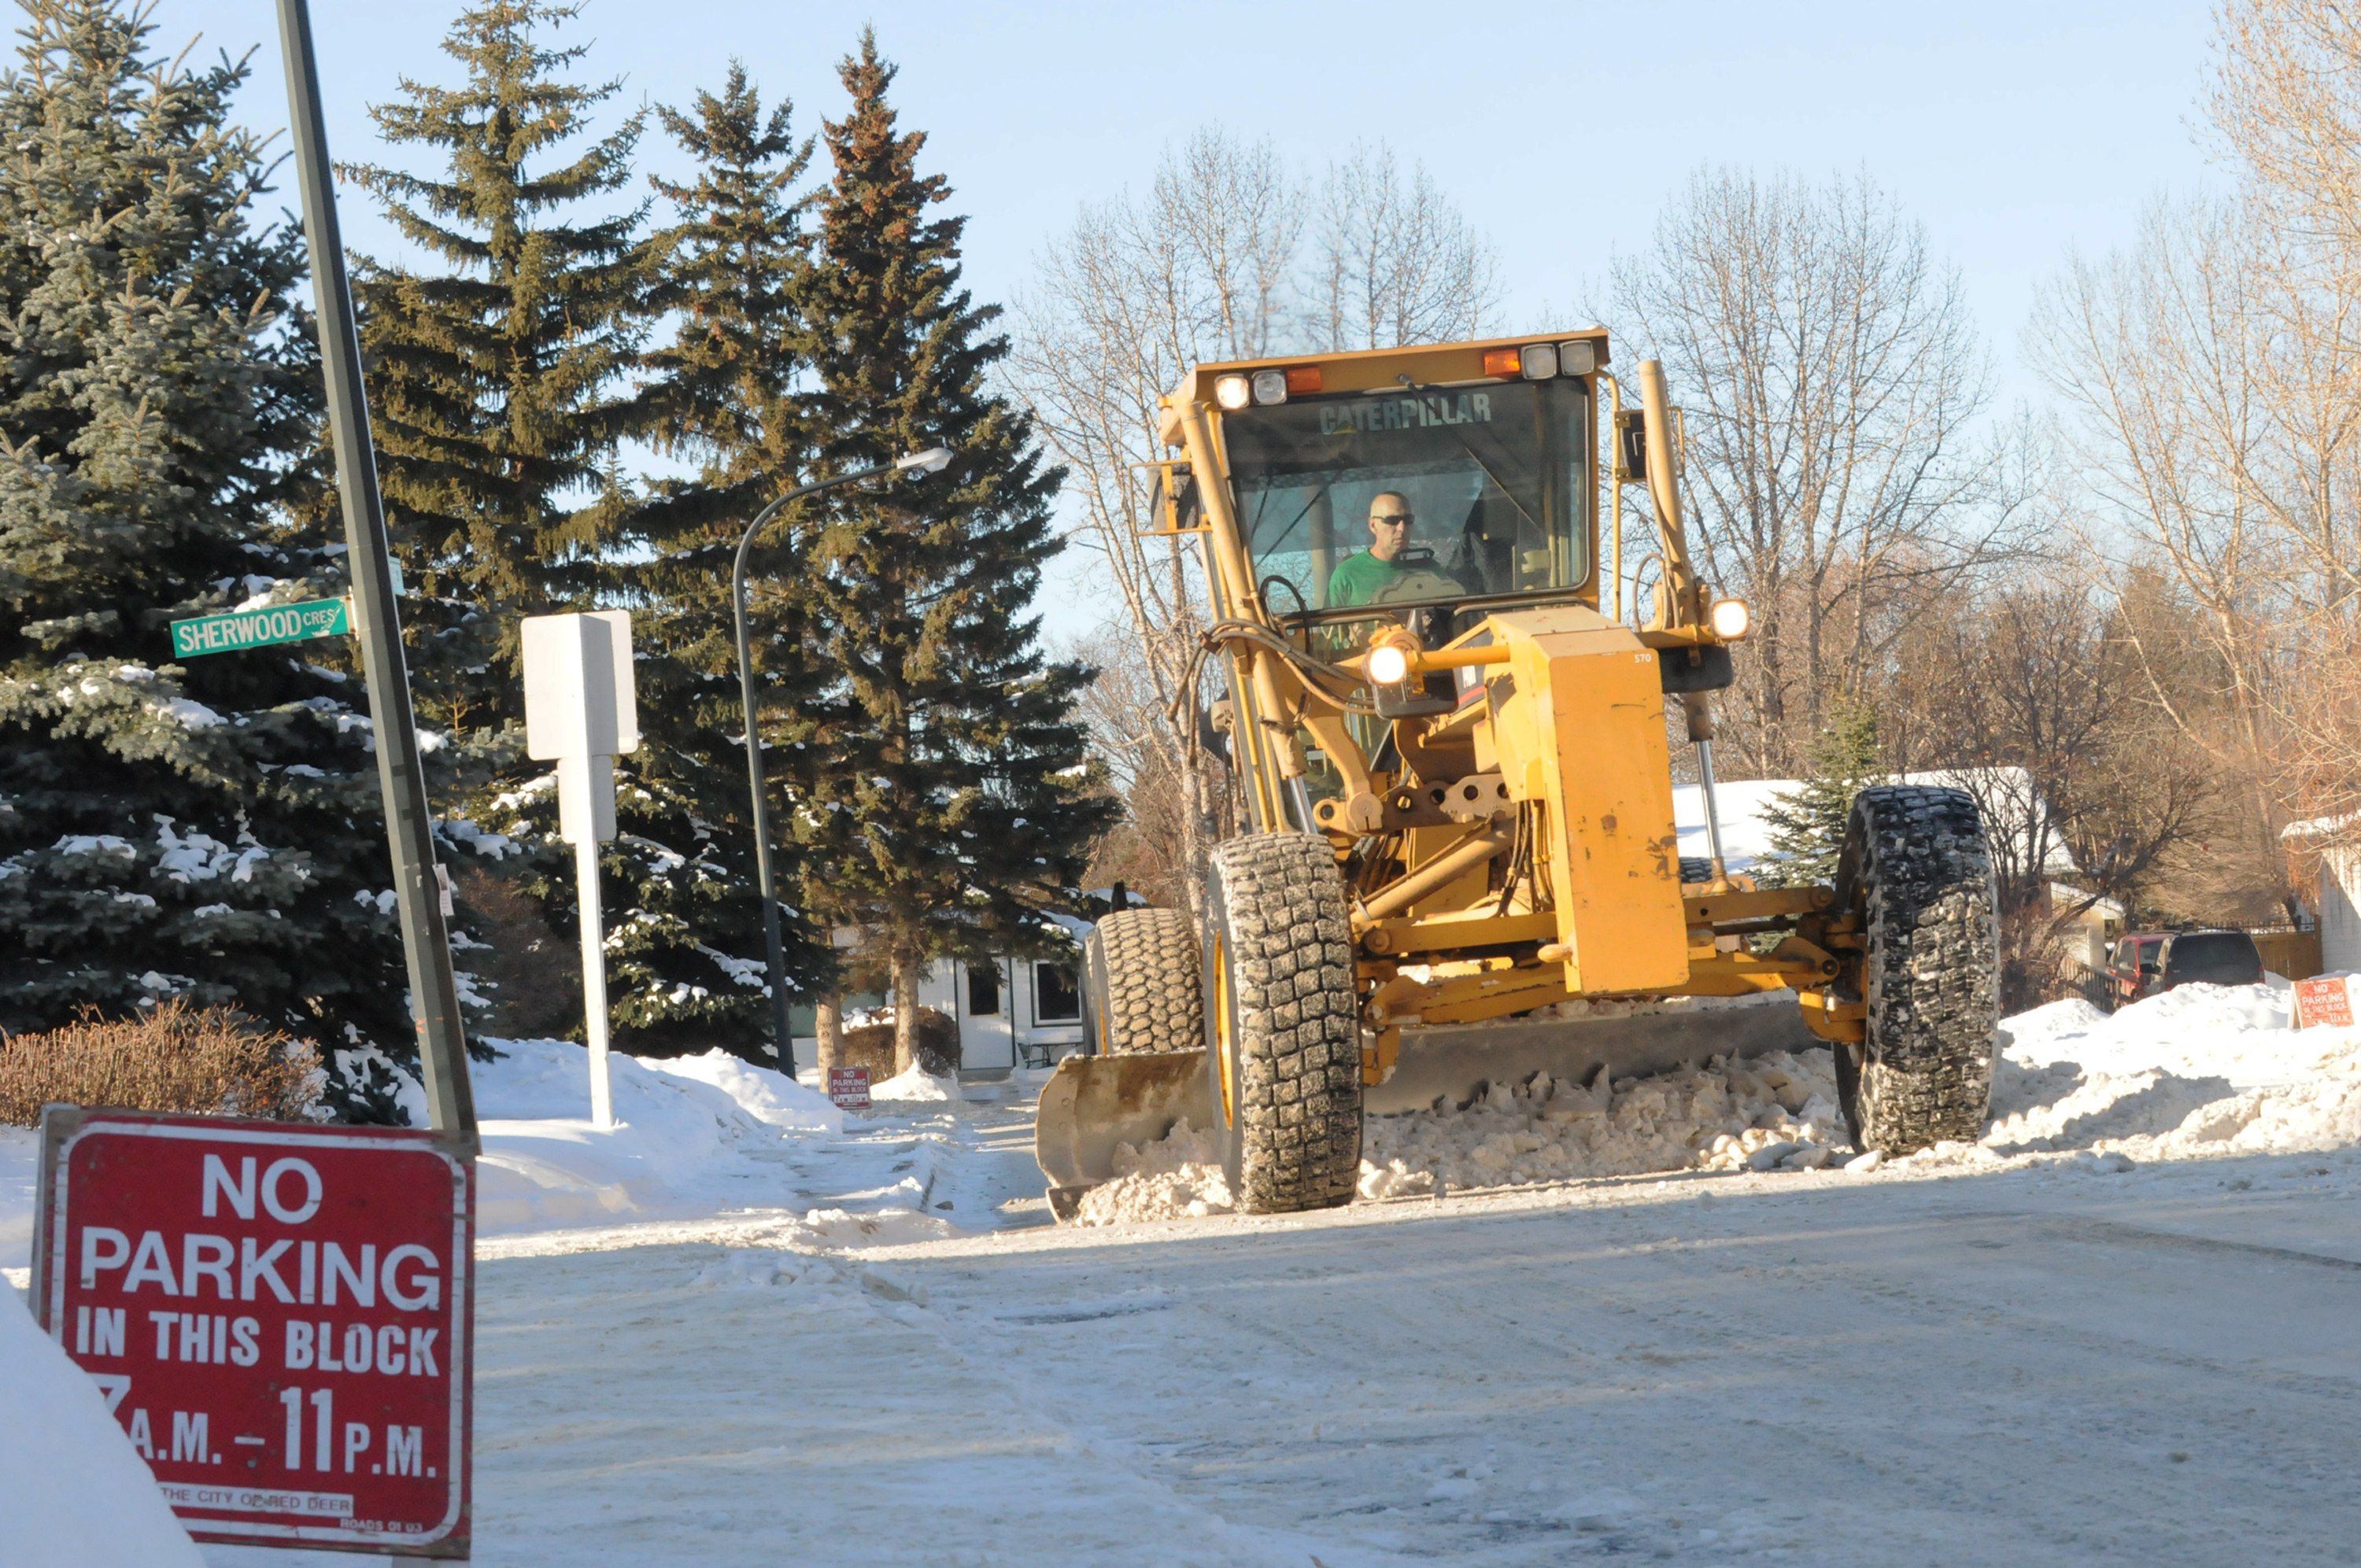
pixel 279 1315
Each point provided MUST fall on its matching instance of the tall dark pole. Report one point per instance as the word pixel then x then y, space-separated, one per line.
pixel 757 777
pixel 401 778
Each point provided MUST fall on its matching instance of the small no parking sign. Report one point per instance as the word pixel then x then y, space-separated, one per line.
pixel 279 1316
pixel 848 1087
pixel 2324 1002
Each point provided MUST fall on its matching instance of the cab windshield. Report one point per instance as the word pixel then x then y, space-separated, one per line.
pixel 1426 497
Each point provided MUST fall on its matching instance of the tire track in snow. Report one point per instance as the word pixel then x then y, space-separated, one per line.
pixel 1842 1373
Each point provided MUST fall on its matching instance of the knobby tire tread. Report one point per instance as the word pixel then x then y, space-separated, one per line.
pixel 1279 906
pixel 1917 865
pixel 1146 961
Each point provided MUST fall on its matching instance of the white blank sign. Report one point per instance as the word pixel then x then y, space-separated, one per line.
pixel 579 696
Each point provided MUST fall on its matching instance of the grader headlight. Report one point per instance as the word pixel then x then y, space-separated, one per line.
pixel 1232 392
pixel 1730 618
pixel 1389 664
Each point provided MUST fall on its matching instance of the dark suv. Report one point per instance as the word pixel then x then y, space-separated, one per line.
pixel 2146 962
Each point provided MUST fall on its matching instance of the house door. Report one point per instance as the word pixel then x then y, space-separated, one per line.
pixel 987 1036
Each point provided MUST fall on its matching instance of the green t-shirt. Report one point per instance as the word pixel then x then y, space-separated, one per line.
pixel 1360 579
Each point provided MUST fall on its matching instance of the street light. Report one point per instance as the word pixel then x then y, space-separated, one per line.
pixel 933 460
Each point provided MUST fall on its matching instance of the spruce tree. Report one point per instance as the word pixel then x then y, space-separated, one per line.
pixel 730 268
pixel 945 801
pixel 497 382
pixel 1808 823
pixel 208 830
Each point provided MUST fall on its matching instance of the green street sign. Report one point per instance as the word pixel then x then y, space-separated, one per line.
pixel 260 628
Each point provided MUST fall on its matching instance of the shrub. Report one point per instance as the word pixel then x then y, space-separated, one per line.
pixel 209 1062
pixel 871 1045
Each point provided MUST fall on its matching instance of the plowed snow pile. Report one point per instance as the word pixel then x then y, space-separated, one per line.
pixel 2199 1071
pixel 1180 1175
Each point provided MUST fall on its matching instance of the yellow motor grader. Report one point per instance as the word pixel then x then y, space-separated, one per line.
pixel 1456 758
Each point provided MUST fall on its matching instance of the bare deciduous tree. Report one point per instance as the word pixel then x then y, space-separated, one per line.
pixel 1137 292
pixel 1211 265
pixel 1831 377
pixel 1126 715
pixel 2033 702
pixel 1396 263
pixel 2286 105
pixel 2211 371
pixel 2287 109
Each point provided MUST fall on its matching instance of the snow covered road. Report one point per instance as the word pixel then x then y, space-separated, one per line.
pixel 1989 1371
pixel 2007 1369
pixel 2124 1329
pixel 2028 1366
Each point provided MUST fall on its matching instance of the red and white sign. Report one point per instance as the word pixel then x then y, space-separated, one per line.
pixel 2325 1002
pixel 279 1316
pixel 848 1087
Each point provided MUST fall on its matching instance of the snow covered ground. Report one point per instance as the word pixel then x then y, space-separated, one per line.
pixel 2122 1328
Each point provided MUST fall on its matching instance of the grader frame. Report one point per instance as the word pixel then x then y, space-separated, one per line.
pixel 1494 781
pixel 1489 964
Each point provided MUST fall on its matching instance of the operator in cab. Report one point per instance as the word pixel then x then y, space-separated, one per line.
pixel 1366 578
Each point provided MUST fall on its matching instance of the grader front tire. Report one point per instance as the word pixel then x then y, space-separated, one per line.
pixel 1140 980
pixel 1282 1037
pixel 1917 869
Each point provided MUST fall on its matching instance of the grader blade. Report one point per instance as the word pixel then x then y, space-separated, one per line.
pixel 1451 1065
pixel 1091 1104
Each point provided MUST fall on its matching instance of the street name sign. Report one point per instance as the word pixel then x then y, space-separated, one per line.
pixel 260 628
pixel 281 1316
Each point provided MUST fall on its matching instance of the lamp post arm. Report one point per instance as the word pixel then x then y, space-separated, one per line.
pixel 746 540
pixel 758 783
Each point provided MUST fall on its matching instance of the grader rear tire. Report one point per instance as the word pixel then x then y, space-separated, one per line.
pixel 1917 867
pixel 1140 982
pixel 1283 1030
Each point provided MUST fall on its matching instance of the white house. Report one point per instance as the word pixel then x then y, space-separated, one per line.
pixel 2337 842
pixel 2095 929
pixel 2007 793
pixel 1011 1011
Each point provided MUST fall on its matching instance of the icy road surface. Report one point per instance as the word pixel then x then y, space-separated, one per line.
pixel 2124 1328
pixel 2052 1365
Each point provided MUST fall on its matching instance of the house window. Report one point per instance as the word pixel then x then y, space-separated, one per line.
pixel 1057 999
pixel 982 990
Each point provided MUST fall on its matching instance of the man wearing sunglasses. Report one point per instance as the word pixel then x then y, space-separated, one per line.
pixel 1362 578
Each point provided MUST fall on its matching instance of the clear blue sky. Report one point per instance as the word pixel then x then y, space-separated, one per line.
pixel 2014 128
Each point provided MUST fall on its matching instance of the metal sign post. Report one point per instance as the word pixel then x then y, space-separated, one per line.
pixel 582 711
pixel 402 774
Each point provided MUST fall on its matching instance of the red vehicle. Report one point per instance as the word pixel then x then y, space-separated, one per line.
pixel 2146 962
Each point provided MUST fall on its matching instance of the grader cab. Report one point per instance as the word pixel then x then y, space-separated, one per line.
pixel 1450 732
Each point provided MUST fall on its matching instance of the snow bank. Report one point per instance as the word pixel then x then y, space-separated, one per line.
pixel 767 1095
pixel 20 1153
pixel 695 1137
pixel 889 1226
pixel 681 1128
pixel 72 1489
pixel 2199 1071
pixel 918 1084
pixel 2239 1033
